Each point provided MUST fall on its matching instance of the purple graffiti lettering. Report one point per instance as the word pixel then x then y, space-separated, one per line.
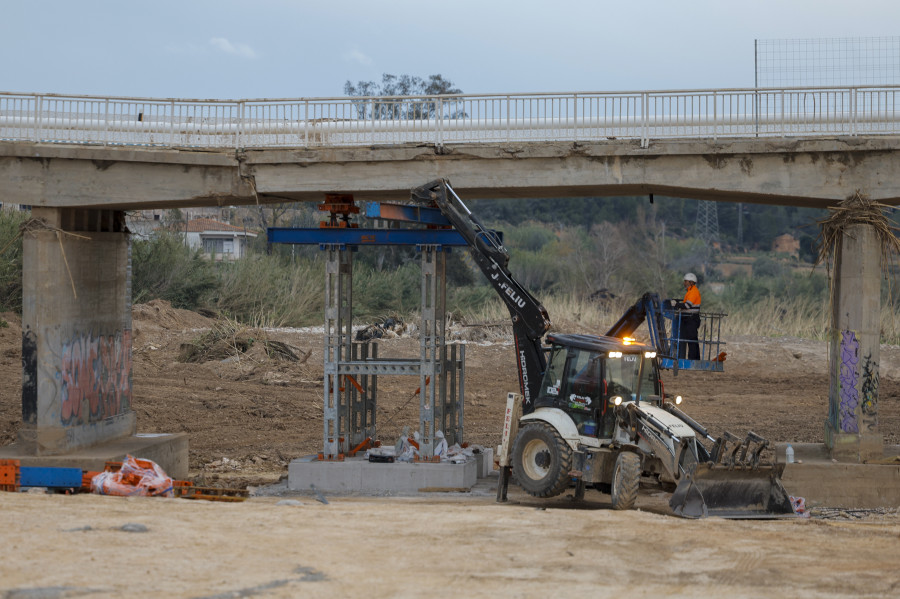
pixel 849 392
pixel 96 372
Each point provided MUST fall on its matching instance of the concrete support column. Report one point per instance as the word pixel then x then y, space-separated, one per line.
pixel 851 430
pixel 76 331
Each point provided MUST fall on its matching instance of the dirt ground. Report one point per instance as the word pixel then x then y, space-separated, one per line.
pixel 73 546
pixel 247 417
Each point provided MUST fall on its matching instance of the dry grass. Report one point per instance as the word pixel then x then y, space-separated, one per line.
pixel 772 317
pixel 567 313
pixel 776 317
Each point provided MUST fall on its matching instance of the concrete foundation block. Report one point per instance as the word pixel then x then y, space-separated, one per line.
pixel 842 485
pixel 825 482
pixel 359 475
pixel 169 451
pixel 857 448
pixel 61 440
pixel 485 461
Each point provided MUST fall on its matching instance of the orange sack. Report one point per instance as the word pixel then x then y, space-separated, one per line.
pixel 135 477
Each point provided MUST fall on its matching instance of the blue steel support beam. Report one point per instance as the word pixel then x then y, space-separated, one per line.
pixel 358 237
pixel 63 478
pixel 403 212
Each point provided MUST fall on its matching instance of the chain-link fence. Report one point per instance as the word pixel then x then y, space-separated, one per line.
pixel 827 62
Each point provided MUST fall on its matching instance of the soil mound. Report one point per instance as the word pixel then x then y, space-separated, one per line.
pixel 160 313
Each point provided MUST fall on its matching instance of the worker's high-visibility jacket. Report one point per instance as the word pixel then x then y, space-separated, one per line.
pixel 691 299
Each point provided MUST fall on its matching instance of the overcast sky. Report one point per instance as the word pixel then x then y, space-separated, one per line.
pixel 225 49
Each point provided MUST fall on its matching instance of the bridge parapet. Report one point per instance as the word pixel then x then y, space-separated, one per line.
pixel 451 119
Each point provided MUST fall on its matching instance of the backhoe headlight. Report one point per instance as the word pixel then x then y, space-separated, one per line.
pixel 678 400
pixel 615 354
pixel 617 400
pixel 649 354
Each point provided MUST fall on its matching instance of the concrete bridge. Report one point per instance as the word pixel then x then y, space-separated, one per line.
pixel 805 146
pixel 81 161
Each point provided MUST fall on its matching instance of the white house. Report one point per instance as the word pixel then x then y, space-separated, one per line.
pixel 221 240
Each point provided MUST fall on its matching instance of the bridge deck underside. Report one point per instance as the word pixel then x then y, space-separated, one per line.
pixel 805 172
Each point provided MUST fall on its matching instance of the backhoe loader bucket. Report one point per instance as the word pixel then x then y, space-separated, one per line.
pixel 733 483
pixel 741 493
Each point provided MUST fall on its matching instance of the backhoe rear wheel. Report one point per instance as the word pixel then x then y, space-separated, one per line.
pixel 626 480
pixel 541 460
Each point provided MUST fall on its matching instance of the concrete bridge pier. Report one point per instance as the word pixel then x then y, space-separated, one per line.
pixel 77 346
pixel 851 429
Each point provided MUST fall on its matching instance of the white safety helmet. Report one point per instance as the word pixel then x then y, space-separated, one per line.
pixel 691 277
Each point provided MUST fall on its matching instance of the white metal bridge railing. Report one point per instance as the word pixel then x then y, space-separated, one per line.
pixel 439 120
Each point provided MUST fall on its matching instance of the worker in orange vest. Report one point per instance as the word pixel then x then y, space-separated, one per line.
pixel 689 309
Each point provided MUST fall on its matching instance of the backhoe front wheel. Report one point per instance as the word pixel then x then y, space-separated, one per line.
pixel 626 480
pixel 541 460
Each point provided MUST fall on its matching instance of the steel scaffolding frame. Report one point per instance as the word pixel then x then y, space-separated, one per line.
pixel 352 368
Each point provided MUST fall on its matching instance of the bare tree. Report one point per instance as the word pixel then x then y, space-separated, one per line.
pixel 610 247
pixel 595 259
pixel 651 260
pixel 274 215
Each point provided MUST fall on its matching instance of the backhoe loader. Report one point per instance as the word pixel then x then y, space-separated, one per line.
pixel 591 410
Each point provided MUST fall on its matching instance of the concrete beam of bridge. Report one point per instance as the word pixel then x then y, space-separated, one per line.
pixel 118 178
pixel 812 172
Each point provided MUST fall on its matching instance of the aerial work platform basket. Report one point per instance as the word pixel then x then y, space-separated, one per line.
pixel 664 324
pixel 709 340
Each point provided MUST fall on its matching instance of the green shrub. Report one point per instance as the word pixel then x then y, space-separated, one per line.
pixel 537 271
pixel 797 285
pixel 389 291
pixel 270 291
pixel 163 267
pixel 531 237
pixel 468 303
pixel 11 260
pixel 766 266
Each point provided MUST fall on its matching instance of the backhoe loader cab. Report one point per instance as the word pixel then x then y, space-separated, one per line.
pixel 588 376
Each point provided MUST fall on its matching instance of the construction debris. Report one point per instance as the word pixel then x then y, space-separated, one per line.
pixel 407 450
pixel 133 477
pixel 187 490
pixel 228 339
pixel 826 513
pixel 389 328
pixel 318 494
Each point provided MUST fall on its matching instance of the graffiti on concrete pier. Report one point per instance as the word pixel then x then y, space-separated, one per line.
pixel 869 390
pixel 849 377
pixel 96 376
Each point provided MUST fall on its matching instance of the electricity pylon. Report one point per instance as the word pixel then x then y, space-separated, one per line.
pixel 706 228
